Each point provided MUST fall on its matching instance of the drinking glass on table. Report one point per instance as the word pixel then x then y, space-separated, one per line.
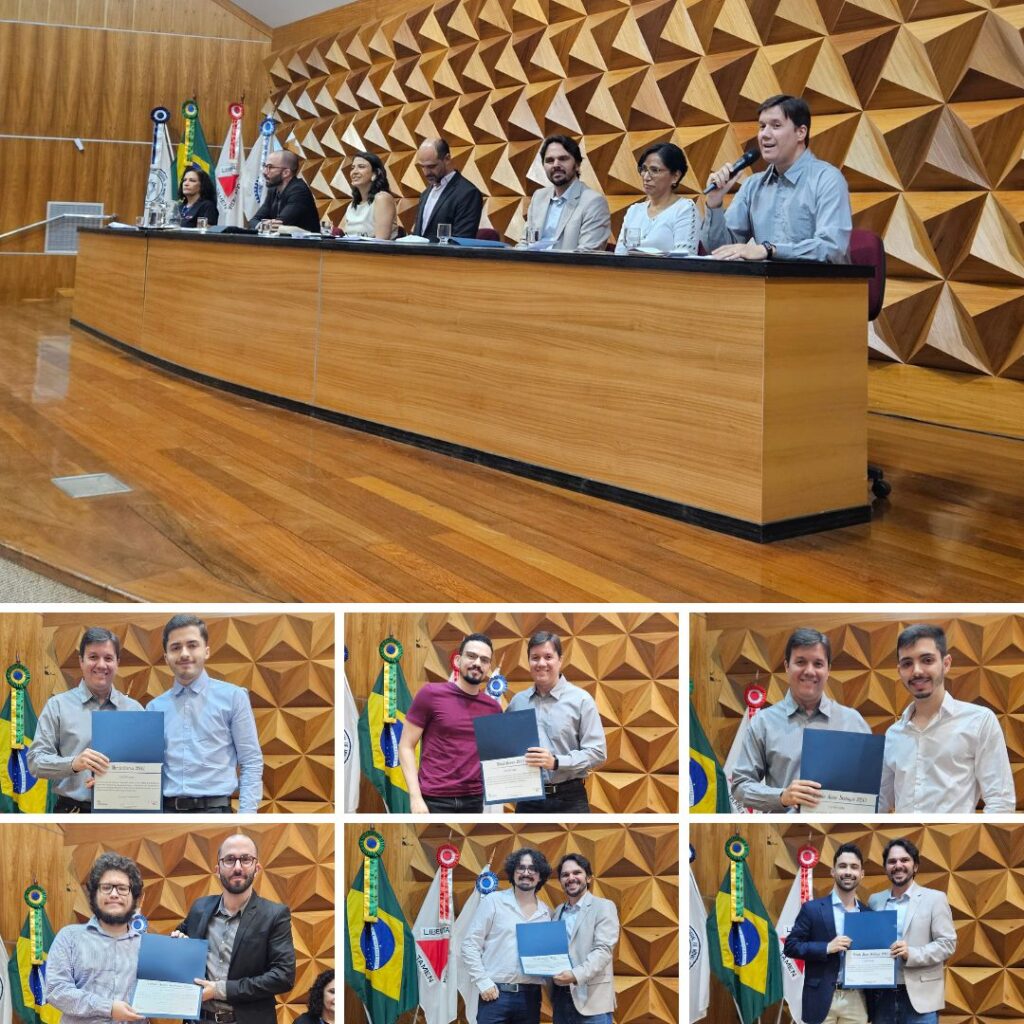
pixel 444 233
pixel 202 223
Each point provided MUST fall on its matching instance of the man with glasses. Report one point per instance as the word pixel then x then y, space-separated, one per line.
pixel 440 719
pixel 490 951
pixel 91 968
pixel 251 957
pixel 289 200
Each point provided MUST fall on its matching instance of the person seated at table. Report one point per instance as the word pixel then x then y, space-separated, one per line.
pixel 320 1000
pixel 798 209
pixel 664 221
pixel 372 212
pixel 450 198
pixel 289 201
pixel 198 197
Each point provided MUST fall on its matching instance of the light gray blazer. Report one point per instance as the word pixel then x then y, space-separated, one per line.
pixel 590 949
pixel 929 933
pixel 585 223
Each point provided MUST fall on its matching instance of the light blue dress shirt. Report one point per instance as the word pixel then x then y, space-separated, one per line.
pixel 212 745
pixel 900 904
pixel 804 212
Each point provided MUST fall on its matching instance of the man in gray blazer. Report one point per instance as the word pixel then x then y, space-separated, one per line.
pixel 925 940
pixel 568 215
pixel 586 994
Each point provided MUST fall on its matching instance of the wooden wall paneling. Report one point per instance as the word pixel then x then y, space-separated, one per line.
pixel 628 662
pixel 31 853
pixel 987 668
pixel 110 285
pixel 635 866
pixel 922 105
pixel 976 865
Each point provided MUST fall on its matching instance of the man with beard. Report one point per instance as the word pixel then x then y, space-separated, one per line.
pixel 212 747
pixel 818 938
pixel 925 940
pixel 568 216
pixel 440 718
pixel 289 201
pixel 91 968
pixel 60 749
pixel 571 734
pixel 586 994
pixel 490 950
pixel 251 957
pixel 942 755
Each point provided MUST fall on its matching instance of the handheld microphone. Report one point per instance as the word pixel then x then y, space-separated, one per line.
pixel 751 156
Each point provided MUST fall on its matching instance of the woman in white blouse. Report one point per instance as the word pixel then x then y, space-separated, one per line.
pixel 664 221
pixel 372 212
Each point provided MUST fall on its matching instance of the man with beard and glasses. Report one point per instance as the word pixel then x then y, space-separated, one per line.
pixel 572 740
pixel 91 968
pixel 568 216
pixel 925 940
pixel 586 994
pixel 818 938
pixel 440 718
pixel 490 950
pixel 942 755
pixel 251 957
pixel 60 748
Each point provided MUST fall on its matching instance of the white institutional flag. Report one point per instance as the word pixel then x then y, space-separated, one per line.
pixel 254 187
pixel 350 755
pixel 161 185
pixel 228 173
pixel 468 991
pixel 435 965
pixel 734 756
pixel 700 964
pixel 5 989
pixel 792 970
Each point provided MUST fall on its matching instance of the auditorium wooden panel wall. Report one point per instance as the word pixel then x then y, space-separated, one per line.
pixel 921 104
pixel 628 662
pixel 177 862
pixel 286 662
pixel 979 867
pixel 93 71
pixel 729 652
pixel 635 866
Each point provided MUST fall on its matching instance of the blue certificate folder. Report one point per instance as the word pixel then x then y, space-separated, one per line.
pixel 181 961
pixel 129 735
pixel 874 929
pixel 849 761
pixel 508 735
pixel 541 938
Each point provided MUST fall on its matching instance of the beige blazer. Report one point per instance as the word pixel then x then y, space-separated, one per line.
pixel 928 931
pixel 585 221
pixel 590 949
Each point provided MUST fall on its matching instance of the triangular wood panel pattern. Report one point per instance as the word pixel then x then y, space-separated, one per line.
pixel 628 662
pixel 920 99
pixel 635 866
pixel 286 662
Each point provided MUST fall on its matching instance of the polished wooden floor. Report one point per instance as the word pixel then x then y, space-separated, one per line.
pixel 233 501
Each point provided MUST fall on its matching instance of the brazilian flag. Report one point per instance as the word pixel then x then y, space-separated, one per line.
pixel 193 148
pixel 378 737
pixel 20 791
pixel 28 980
pixel 380 957
pixel 709 793
pixel 745 953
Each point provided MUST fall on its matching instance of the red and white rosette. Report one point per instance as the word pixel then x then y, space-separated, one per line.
pixel 806 858
pixel 756 698
pixel 447 858
pixel 454 661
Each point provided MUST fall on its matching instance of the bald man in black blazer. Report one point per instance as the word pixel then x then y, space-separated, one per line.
pixel 450 198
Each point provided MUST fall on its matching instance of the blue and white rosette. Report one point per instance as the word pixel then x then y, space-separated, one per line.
pixel 497 686
pixel 486 883
pixel 138 925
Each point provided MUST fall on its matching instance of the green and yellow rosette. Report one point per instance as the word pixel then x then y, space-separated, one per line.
pixel 35 899
pixel 390 651
pixel 737 849
pixel 18 677
pixel 371 846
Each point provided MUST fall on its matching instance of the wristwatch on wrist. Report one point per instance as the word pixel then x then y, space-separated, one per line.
pixel 769 250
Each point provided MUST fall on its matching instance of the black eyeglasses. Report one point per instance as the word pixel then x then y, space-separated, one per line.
pixel 246 860
pixel 108 887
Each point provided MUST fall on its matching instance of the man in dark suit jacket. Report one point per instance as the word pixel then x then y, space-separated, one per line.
pixel 288 199
pixel 817 941
pixel 450 199
pixel 252 957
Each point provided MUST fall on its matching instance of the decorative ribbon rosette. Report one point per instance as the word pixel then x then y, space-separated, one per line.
pixel 35 899
pixel 453 663
pixel 755 697
pixel 447 858
pixel 190 112
pixel 371 846
pixel 486 883
pixel 737 849
pixel 138 924
pixel 18 677
pixel 267 127
pixel 806 858
pixel 497 686
pixel 390 651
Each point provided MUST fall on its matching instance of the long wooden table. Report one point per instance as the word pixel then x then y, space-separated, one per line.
pixel 731 395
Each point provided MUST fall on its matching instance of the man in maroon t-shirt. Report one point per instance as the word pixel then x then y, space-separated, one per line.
pixel 441 717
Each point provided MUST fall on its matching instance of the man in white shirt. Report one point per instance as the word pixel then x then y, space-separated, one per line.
pixel 942 755
pixel 925 940
pixel 490 950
